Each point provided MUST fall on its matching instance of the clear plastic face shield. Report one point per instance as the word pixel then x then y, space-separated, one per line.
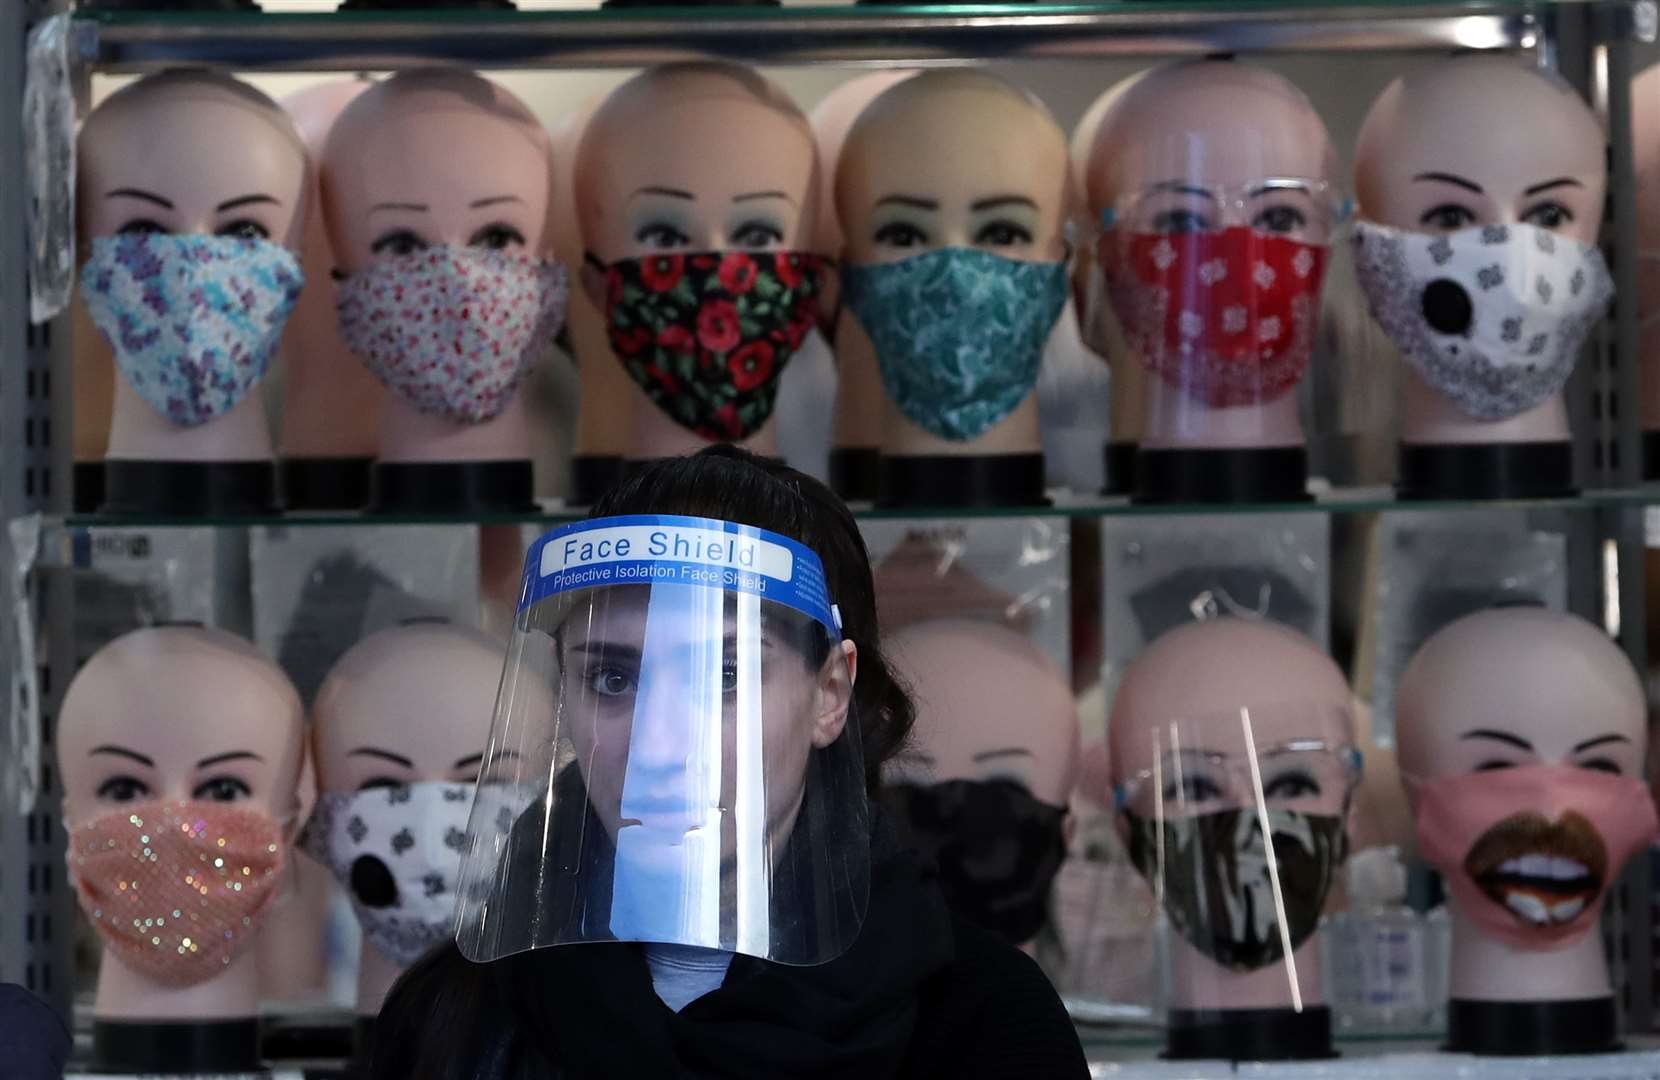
pixel 674 756
pixel 1237 822
pixel 1213 258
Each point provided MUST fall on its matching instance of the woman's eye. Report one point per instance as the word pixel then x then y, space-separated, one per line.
pixel 661 236
pixel 221 789
pixel 1602 765
pixel 244 230
pixel 1292 786
pixel 122 789
pixel 1002 234
pixel 1448 217
pixel 497 238
pixel 610 682
pixel 1180 221
pixel 1551 215
pixel 1280 219
pixel 900 234
pixel 1192 789
pixel 142 227
pixel 398 242
pixel 1494 766
pixel 729 678
pixel 757 234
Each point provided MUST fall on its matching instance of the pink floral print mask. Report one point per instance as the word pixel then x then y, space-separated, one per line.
pixel 707 335
pixel 452 330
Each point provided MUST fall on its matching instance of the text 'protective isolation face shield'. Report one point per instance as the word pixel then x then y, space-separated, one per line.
pixel 674 756
pixel 1237 821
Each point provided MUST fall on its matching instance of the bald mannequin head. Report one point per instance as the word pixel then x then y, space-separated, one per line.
pixel 1497 124
pixel 924 161
pixel 155 152
pixel 832 118
pixel 406 160
pixel 1214 123
pixel 696 157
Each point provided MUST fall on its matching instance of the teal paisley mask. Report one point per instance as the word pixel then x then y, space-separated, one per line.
pixel 959 333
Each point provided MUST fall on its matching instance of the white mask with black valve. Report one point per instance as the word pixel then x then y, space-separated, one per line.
pixel 397 852
pixel 1492 317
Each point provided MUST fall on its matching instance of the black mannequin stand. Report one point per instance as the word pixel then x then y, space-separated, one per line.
pixel 189 488
pixel 1651 455
pixel 688 3
pixel 88 493
pixel 1118 462
pixel 1274 474
pixel 1249 1035
pixel 452 487
pixel 856 472
pixel 1530 1028
pixel 961 482
pixel 1528 470
pixel 168 5
pixel 176 1049
pixel 331 483
pixel 427 5
pixel 592 475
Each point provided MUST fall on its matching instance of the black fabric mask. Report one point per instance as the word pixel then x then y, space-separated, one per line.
pixel 997 848
pixel 1217 891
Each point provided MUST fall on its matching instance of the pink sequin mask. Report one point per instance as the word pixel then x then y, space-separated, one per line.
pixel 453 330
pixel 176 889
pixel 1529 852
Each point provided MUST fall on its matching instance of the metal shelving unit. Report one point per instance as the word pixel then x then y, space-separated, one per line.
pixel 1586 39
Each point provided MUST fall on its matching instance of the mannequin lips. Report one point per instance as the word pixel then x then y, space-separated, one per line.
pixel 1544 873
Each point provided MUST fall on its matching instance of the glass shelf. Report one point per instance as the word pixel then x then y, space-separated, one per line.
pixel 883 34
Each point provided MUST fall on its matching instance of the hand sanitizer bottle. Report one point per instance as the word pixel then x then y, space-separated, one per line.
pixel 1386 964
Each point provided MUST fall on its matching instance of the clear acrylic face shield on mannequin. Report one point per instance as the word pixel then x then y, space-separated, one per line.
pixel 1213 260
pixel 674 756
pixel 1237 821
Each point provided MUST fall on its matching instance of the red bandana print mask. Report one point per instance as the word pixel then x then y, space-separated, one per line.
pixel 1227 316
pixel 707 335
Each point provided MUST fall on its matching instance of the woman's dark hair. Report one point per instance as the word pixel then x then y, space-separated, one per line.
pixel 732 484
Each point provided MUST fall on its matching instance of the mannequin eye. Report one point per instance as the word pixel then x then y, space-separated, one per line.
pixel 611 682
pixel 661 235
pixel 1192 789
pixel 757 234
pixel 497 237
pixel 245 230
pixel 122 789
pixel 1448 217
pixel 1550 215
pixel 221 789
pixel 1295 785
pixel 1180 221
pixel 142 227
pixel 1002 234
pixel 1494 766
pixel 1602 765
pixel 900 234
pixel 1280 219
pixel 382 782
pixel 398 242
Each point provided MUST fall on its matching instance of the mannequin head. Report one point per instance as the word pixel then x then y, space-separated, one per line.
pixel 400 169
pixel 180 714
pixel 968 679
pixel 968 162
pixel 404 705
pixel 1168 147
pixel 687 158
pixel 1177 721
pixel 1540 717
pixel 151 159
pixel 330 402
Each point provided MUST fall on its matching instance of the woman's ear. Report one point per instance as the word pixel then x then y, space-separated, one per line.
pixel 834 696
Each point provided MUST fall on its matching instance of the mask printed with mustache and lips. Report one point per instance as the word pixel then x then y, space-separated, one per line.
pixel 1529 852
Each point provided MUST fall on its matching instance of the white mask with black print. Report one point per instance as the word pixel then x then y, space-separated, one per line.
pixel 397 852
pixel 1492 317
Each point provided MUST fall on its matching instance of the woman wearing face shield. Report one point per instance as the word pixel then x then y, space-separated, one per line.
pixel 674 867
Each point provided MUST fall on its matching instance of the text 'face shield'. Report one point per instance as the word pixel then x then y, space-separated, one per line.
pixel 674 756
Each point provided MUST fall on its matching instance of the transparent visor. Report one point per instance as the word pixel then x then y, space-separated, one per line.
pixel 1237 822
pixel 674 756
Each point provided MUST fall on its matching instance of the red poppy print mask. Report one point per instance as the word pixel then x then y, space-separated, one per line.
pixel 1227 316
pixel 707 335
